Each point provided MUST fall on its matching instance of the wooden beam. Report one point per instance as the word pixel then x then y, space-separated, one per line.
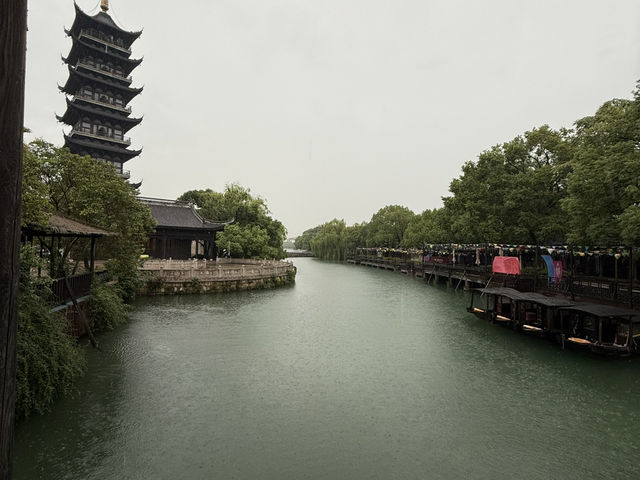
pixel 13 36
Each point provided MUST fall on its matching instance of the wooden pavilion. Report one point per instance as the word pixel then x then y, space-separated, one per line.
pixel 180 232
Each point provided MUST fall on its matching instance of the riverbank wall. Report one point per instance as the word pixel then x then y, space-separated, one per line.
pixel 175 277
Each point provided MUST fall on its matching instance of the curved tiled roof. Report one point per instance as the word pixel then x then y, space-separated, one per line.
pixel 174 214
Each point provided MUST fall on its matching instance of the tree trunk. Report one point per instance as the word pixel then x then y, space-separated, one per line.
pixel 13 35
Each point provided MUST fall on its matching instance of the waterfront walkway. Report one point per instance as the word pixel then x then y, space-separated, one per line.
pixel 469 276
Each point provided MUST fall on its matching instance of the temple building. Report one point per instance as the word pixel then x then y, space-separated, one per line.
pixel 180 232
pixel 99 89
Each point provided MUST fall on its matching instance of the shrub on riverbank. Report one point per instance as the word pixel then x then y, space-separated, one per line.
pixel 106 307
pixel 48 360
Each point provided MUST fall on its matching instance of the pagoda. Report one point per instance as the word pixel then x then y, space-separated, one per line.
pixel 99 89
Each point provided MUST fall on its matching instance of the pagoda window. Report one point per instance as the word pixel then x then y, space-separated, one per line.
pixel 117 133
pixel 86 126
pixel 119 101
pixel 118 70
pixel 87 91
pixel 90 61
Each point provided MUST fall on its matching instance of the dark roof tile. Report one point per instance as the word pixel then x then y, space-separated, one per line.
pixel 174 214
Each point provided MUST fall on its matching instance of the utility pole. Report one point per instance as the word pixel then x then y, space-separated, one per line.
pixel 13 38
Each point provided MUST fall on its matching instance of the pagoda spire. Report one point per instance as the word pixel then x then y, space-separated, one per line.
pixel 104 5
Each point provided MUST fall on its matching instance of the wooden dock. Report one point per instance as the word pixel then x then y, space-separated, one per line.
pixel 598 289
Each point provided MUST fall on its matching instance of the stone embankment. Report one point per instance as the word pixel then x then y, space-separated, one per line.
pixel 170 277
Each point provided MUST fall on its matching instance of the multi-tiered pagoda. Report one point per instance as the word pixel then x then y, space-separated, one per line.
pixel 99 89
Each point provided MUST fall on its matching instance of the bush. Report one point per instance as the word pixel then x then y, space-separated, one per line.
pixel 48 359
pixel 107 310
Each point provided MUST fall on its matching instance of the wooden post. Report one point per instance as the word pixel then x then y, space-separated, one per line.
pixel 615 269
pixel 631 276
pixel 92 254
pixel 13 36
pixel 535 269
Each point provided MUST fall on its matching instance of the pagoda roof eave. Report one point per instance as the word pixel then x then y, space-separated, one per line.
pixel 102 147
pixel 72 84
pixel 129 63
pixel 73 107
pixel 104 20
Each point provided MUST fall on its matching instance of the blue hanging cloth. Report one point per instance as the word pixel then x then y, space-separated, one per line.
pixel 550 270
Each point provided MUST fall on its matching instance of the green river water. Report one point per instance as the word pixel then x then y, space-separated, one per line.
pixel 353 373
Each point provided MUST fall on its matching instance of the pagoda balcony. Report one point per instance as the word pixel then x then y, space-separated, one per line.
pixel 109 73
pixel 90 99
pixel 111 138
pixel 102 38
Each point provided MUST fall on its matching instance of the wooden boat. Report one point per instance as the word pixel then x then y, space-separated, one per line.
pixel 601 328
pixel 587 326
pixel 539 314
pixel 497 304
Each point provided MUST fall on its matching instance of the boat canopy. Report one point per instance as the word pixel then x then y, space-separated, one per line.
pixel 598 310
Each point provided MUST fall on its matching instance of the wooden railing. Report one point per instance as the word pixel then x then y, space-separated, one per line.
pixel 80 285
pixel 102 38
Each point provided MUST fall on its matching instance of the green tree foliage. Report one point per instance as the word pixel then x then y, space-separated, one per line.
pixel 579 186
pixel 356 236
pixel 604 185
pixel 629 222
pixel 249 241
pixel 106 308
pixel 303 242
pixel 92 192
pixel 513 193
pixel 330 243
pixel 387 226
pixel 251 218
pixel 49 360
pixel 431 226
pixel 35 202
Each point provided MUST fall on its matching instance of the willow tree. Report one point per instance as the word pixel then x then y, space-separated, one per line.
pixel 330 243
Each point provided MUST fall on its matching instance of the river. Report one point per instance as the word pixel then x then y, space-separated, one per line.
pixel 352 373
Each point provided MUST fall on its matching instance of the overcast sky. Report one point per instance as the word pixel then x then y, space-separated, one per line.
pixel 336 108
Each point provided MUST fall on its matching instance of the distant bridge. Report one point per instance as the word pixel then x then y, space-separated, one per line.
pixel 298 253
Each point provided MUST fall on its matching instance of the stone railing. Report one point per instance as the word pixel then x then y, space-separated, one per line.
pixel 211 271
